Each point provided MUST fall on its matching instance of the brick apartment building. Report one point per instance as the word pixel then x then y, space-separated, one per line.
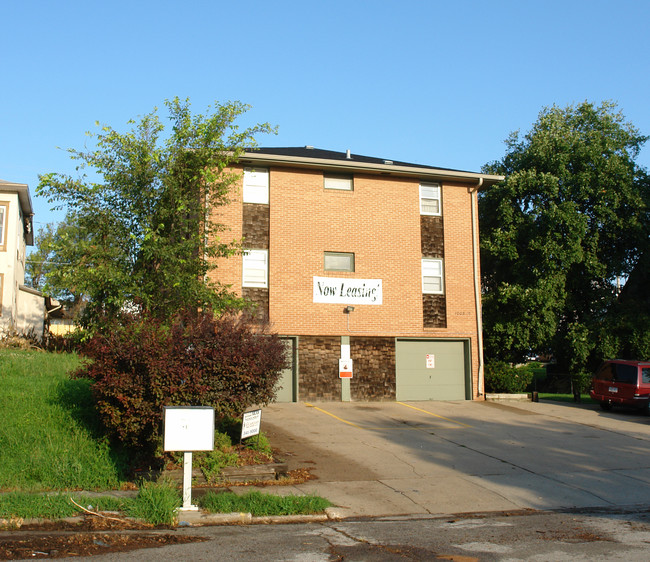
pixel 362 259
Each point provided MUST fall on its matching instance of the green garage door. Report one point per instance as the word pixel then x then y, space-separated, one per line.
pixel 432 370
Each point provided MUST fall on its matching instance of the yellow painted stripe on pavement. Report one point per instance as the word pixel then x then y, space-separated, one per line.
pixel 435 415
pixel 332 415
pixel 401 428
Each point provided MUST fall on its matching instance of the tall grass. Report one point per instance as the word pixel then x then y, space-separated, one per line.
pixel 155 503
pixel 258 503
pixel 48 436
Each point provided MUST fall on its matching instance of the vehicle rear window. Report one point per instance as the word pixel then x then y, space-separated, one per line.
pixel 626 373
pixel 606 372
pixel 645 374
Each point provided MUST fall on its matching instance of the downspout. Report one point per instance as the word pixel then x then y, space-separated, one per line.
pixel 477 285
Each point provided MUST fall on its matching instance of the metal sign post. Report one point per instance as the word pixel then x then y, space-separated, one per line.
pixel 187 429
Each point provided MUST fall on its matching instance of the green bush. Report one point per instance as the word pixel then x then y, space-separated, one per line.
pixel 225 454
pixel 503 378
pixel 259 443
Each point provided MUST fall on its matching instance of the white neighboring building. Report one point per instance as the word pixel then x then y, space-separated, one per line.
pixel 22 309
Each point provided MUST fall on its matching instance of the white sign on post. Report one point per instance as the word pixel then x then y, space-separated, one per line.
pixel 345 368
pixel 187 429
pixel 251 422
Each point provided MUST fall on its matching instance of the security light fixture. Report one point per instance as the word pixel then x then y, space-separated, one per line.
pixel 348 309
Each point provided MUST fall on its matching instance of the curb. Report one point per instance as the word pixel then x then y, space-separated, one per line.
pixel 496 397
pixel 198 518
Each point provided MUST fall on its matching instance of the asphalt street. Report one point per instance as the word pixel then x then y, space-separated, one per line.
pixel 538 536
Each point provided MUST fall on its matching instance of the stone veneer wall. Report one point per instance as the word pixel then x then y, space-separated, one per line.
pixel 255 226
pixel 259 298
pixel 374 368
pixel 432 239
pixel 318 358
pixel 255 230
pixel 434 308
pixel 432 236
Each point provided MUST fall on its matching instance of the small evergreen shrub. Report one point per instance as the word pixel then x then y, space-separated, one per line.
pixel 503 378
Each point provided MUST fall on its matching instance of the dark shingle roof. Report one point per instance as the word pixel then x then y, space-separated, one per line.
pixel 310 152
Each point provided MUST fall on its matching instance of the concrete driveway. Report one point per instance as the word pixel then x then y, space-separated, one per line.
pixel 396 458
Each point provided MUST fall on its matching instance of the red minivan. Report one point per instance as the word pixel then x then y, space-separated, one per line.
pixel 624 383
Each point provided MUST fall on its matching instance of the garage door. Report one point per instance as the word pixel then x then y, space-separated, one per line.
pixel 432 370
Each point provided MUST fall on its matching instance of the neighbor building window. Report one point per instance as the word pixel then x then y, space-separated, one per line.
pixel 432 276
pixel 339 261
pixel 256 185
pixel 343 182
pixel 255 268
pixel 430 199
pixel 3 225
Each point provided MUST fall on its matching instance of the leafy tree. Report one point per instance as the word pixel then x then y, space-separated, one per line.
pixel 38 262
pixel 569 219
pixel 626 330
pixel 53 267
pixel 145 236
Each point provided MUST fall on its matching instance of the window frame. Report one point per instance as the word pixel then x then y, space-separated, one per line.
pixel 427 263
pixel 350 255
pixel 336 180
pixel 255 191
pixel 437 198
pixel 4 224
pixel 254 255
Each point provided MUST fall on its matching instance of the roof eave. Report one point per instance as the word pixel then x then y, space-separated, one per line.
pixel 383 169
pixel 22 190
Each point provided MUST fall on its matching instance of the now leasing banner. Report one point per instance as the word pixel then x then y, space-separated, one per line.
pixel 347 291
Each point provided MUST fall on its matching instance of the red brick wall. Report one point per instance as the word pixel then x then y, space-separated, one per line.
pixel 380 222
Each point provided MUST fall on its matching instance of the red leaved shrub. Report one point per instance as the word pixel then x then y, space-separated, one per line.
pixel 141 365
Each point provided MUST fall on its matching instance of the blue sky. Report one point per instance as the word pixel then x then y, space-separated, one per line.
pixel 424 81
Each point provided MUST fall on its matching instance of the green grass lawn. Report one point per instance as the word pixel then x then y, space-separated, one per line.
pixel 49 439
pixel 584 398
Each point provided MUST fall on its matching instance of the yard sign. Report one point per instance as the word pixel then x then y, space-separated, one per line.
pixel 187 429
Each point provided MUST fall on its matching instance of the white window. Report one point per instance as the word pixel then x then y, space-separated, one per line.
pixel 432 276
pixel 255 268
pixel 256 185
pixel 430 199
pixel 343 182
pixel 339 261
pixel 3 226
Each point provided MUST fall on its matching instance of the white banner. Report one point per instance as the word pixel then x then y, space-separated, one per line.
pixel 347 291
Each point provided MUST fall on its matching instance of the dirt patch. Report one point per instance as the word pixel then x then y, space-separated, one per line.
pixel 61 545
pixel 91 536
